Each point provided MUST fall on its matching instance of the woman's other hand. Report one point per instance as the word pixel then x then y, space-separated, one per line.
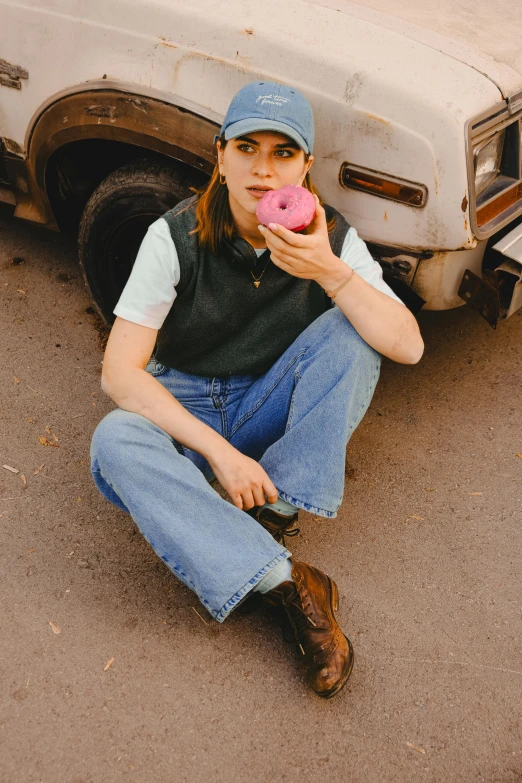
pixel 243 478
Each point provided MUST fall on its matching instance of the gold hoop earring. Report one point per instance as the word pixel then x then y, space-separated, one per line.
pixel 222 179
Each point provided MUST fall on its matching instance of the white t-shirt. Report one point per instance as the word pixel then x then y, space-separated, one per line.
pixel 151 288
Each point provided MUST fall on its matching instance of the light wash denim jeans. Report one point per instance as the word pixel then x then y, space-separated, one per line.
pixel 295 420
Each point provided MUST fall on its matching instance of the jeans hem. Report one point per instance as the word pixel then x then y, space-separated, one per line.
pixel 321 512
pixel 233 602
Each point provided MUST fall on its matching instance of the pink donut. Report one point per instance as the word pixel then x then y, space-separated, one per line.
pixel 290 206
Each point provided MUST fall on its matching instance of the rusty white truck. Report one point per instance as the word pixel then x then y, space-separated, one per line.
pixel 108 112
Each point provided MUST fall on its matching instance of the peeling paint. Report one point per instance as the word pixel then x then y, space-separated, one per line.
pixel 352 88
pixel 464 204
pixel 137 104
pixel 10 75
pixel 110 112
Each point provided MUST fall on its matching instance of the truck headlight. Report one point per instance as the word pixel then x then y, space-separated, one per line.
pixel 487 158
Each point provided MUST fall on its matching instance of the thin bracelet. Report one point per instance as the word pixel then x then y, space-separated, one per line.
pixel 332 294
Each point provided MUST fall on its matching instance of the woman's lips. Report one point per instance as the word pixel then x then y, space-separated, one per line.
pixel 258 192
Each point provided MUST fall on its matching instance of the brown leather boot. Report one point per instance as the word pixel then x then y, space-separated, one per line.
pixel 309 602
pixel 277 525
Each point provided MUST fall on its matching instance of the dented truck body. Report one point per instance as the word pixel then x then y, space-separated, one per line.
pixel 418 115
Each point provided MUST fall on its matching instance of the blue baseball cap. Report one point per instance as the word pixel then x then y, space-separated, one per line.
pixel 270 106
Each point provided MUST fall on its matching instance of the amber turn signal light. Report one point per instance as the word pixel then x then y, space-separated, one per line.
pixel 492 209
pixel 383 185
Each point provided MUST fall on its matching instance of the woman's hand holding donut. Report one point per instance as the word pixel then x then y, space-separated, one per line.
pixel 305 255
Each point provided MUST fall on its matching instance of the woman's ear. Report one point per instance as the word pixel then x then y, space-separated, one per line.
pixel 308 166
pixel 220 153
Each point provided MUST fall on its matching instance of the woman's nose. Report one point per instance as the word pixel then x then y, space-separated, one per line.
pixel 262 165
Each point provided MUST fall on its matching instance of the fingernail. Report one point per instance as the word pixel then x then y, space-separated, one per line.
pixel 261 228
pixel 272 226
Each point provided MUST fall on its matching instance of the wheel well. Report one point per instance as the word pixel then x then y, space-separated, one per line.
pixel 75 170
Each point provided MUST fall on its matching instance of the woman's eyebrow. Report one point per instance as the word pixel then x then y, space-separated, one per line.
pixel 248 140
pixel 289 143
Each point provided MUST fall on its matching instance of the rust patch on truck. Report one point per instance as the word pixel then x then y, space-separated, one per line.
pixel 164 42
pixel 110 112
pixel 464 204
pixel 378 119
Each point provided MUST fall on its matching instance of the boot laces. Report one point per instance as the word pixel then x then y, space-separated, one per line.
pixel 300 620
pixel 277 527
pixel 280 535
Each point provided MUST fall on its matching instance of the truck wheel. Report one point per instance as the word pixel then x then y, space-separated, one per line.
pixel 116 219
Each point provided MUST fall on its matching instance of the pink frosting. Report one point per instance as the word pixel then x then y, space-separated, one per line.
pixel 290 206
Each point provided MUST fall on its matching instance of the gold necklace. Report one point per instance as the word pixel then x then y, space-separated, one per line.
pixel 257 280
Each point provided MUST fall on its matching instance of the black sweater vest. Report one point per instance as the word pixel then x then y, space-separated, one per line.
pixel 220 324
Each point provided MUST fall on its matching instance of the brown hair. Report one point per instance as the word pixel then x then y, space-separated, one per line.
pixel 214 221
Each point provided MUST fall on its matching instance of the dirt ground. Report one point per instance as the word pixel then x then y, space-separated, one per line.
pixel 426 553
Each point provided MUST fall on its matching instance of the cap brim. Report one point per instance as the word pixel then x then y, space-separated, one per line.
pixel 252 125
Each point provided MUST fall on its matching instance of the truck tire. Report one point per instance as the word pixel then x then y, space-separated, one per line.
pixel 116 219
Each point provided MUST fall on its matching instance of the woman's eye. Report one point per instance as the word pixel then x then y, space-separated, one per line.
pixel 285 153
pixel 245 147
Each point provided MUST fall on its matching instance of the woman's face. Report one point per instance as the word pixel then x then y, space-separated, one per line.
pixel 257 162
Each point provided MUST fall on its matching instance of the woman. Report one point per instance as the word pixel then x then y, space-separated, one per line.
pixel 257 379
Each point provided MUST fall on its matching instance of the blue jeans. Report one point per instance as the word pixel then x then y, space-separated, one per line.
pixel 295 420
